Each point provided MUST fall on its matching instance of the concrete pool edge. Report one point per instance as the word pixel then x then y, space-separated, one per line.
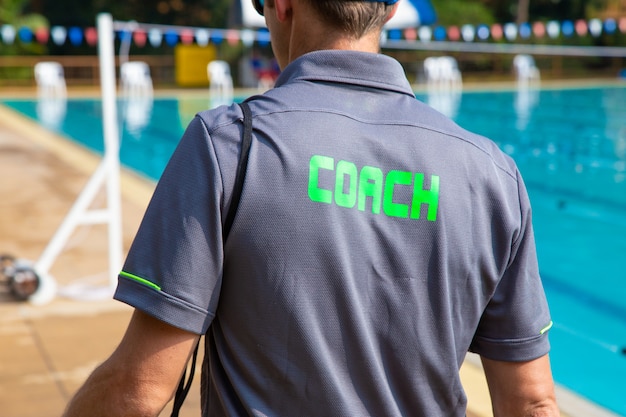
pixel 577 406
pixel 133 186
pixel 570 403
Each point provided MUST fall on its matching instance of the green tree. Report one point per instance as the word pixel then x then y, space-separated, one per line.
pixel 521 15
pixel 557 9
pixel 459 12
pixel 208 13
pixel 201 13
pixel 532 10
pixel 12 12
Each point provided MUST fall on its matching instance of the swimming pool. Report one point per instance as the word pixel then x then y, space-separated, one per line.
pixel 570 145
pixel 571 149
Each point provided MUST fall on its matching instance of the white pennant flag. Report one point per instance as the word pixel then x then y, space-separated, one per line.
pixel 595 27
pixel 553 28
pixel 8 34
pixel 202 37
pixel 155 37
pixel 58 34
pixel 468 33
pixel 425 33
pixel 510 31
pixel 247 37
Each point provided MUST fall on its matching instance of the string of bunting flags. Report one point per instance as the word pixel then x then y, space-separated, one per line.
pixel 141 35
pixel 511 31
pixel 157 35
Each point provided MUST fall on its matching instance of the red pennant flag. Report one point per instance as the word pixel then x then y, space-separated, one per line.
pixel 140 37
pixel 539 29
pixel 42 35
pixel 232 37
pixel 581 27
pixel 186 36
pixel 91 36
pixel 454 33
pixel 410 34
pixel 496 31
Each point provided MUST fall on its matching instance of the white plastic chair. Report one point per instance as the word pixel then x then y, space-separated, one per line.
pixel 431 70
pixel 137 111
pixel 136 80
pixel 50 79
pixel 525 69
pixel 220 82
pixel 449 72
pixel 51 111
pixel 442 73
pixel 446 102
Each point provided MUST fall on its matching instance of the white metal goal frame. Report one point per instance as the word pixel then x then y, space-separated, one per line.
pixel 107 174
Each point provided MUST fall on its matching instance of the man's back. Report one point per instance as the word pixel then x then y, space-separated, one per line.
pixel 374 243
pixel 370 236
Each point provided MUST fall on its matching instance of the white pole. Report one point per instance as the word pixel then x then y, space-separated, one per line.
pixel 108 171
pixel 111 140
pixel 73 218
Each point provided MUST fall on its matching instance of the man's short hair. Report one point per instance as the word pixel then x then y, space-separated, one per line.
pixel 354 17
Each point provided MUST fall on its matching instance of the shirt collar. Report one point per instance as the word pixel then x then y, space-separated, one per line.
pixel 348 67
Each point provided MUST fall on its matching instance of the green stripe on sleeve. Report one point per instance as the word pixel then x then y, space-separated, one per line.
pixel 140 280
pixel 548 327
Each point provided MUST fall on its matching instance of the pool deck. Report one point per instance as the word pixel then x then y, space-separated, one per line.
pixel 47 351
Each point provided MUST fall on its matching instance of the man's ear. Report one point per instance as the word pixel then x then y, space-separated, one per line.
pixel 283 9
pixel 393 11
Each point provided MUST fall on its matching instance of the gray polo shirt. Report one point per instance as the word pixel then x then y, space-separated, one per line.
pixel 375 243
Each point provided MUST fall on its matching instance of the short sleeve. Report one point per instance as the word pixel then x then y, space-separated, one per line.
pixel 514 325
pixel 173 270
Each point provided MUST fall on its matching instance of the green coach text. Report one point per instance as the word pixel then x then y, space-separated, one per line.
pixel 353 187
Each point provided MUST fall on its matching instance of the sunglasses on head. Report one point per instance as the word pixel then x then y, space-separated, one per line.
pixel 258 6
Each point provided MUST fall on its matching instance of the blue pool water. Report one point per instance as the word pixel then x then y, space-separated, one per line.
pixel 570 145
pixel 571 150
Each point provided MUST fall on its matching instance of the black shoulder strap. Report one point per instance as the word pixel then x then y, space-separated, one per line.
pixel 241 169
pixel 183 388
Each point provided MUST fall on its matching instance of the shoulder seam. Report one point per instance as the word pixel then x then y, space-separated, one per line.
pixel 508 172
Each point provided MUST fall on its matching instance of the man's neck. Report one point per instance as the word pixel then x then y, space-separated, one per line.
pixel 309 37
